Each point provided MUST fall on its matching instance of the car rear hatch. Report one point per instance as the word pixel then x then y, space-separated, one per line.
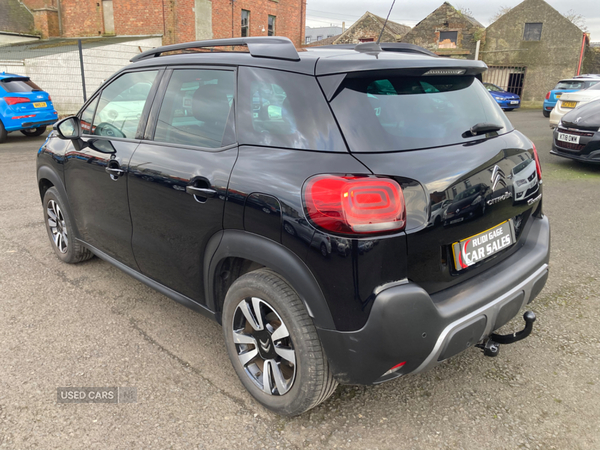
pixel 24 97
pixel 446 141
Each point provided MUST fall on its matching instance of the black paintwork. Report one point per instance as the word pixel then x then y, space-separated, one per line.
pixel 147 222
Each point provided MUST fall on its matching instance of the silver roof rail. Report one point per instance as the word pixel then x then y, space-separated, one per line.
pixel 264 47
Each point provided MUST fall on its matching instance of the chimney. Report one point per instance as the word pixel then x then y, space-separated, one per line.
pixel 343 26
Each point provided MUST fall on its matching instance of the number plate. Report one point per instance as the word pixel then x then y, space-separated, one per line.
pixel 568 138
pixel 483 245
pixel 40 105
pixel 568 104
pixel 514 102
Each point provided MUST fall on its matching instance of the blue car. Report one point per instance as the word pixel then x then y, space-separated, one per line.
pixel 507 100
pixel 570 85
pixel 24 107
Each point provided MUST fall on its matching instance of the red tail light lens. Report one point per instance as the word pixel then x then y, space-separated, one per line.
pixel 537 162
pixel 14 100
pixel 548 96
pixel 355 205
pixel 49 98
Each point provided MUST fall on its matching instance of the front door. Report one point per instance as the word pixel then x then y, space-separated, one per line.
pixel 95 172
pixel 178 177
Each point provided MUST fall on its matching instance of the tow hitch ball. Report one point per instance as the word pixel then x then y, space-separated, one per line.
pixel 491 346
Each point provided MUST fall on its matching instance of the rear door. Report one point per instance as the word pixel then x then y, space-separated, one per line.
pixel 455 153
pixel 178 176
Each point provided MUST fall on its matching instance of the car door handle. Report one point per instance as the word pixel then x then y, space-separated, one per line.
pixel 204 192
pixel 115 171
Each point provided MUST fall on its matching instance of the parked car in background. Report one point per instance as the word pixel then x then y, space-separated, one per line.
pixel 507 100
pixel 570 85
pixel 568 102
pixel 24 106
pixel 577 135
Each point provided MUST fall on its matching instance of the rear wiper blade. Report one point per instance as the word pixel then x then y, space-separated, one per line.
pixel 482 128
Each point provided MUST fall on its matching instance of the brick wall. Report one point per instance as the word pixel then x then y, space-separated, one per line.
pixel 46 22
pixel 81 18
pixel 290 18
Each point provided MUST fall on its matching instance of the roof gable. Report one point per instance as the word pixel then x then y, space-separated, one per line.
pixel 369 26
pixel 532 9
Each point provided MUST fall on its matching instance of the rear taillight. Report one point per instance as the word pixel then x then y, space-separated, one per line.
pixel 538 167
pixel 14 100
pixel 355 205
pixel 548 96
pixel 49 98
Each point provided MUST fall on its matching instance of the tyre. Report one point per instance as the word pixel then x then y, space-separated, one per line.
pixel 509 109
pixel 546 113
pixel 34 132
pixel 3 133
pixel 60 230
pixel 273 344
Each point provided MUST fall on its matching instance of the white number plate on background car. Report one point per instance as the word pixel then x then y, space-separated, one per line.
pixel 483 245
pixel 514 102
pixel 568 138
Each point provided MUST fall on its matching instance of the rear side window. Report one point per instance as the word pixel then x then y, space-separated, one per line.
pixel 283 109
pixel 196 108
pixel 19 85
pixel 386 112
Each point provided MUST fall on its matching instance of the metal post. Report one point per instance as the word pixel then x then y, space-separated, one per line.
pixel 82 70
pixel 477 50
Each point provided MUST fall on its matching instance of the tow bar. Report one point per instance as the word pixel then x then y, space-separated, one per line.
pixel 491 346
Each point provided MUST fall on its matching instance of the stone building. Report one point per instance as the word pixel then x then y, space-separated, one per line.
pixel 175 20
pixel 532 45
pixel 447 32
pixel 367 29
pixel 312 35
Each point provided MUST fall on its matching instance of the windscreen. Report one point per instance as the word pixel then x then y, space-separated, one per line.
pixel 20 85
pixel 381 112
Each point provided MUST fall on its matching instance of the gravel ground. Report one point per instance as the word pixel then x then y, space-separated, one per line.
pixel 91 325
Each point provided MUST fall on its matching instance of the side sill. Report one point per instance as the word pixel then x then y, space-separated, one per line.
pixel 173 295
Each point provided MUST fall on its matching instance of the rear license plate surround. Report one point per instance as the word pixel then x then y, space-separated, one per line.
pixel 482 246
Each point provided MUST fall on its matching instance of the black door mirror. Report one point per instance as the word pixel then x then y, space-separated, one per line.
pixel 101 145
pixel 69 128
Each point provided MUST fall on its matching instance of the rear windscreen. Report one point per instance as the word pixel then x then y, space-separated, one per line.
pixel 570 85
pixel 23 85
pixel 381 113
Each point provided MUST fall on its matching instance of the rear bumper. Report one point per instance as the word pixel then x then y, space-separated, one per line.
pixel 408 325
pixel 40 120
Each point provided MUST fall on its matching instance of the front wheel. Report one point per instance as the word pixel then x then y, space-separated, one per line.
pixel 273 344
pixel 60 230
pixel 33 132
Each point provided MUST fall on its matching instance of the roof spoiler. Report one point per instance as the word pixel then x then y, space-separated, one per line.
pixel 373 47
pixel 263 47
pixel 17 78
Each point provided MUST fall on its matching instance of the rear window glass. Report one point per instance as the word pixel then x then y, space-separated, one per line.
pixel 283 109
pixel 570 85
pixel 381 112
pixel 22 85
pixel 594 87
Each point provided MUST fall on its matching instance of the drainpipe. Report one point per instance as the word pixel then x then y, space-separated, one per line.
pixel 477 50
pixel 581 54
pixel 60 29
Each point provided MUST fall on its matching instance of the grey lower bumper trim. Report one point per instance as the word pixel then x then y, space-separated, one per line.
pixel 490 311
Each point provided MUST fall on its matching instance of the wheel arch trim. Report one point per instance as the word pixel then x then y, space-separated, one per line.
pixel 252 247
pixel 45 172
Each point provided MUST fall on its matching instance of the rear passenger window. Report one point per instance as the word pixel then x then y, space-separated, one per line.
pixel 283 109
pixel 196 108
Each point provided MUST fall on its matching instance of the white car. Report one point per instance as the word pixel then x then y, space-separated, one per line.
pixel 572 100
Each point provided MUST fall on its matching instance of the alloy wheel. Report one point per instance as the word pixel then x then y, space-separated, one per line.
pixel 58 226
pixel 264 346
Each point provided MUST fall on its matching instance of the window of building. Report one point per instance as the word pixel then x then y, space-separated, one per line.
pixel 271 31
pixel 448 39
pixel 308 39
pixel 319 37
pixel 245 23
pixel 533 32
pixel 196 108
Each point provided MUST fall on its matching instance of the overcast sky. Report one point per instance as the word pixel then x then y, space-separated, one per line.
pixel 322 13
